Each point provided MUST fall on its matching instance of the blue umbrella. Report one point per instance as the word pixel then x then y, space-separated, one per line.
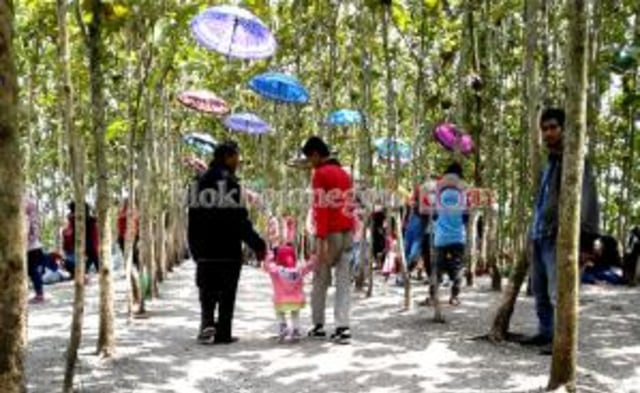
pixel 279 87
pixel 247 122
pixel 390 148
pixel 233 31
pixel 344 117
pixel 203 142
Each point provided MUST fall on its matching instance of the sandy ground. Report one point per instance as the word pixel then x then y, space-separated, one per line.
pixel 392 351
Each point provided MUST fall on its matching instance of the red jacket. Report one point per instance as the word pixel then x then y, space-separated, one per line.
pixel 333 199
pixel 122 223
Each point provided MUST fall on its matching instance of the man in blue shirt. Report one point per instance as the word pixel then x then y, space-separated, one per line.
pixel 450 235
pixel 545 225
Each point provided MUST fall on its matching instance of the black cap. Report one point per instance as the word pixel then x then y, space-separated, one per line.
pixel 316 144
pixel 224 149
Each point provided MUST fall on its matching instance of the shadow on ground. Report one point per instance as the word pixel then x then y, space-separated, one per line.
pixel 392 351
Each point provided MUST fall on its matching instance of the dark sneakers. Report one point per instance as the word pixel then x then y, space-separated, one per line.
pixel 207 336
pixel 318 332
pixel 341 336
pixel 225 341
pixel 536 341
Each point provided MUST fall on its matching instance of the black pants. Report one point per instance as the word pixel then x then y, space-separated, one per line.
pixel 35 259
pixel 136 262
pixel 450 260
pixel 426 254
pixel 218 284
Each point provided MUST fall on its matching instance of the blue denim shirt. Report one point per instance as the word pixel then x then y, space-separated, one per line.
pixel 543 197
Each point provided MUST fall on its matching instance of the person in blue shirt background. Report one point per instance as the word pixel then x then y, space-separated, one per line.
pixel 449 231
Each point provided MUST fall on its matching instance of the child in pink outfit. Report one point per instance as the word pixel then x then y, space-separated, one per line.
pixel 288 292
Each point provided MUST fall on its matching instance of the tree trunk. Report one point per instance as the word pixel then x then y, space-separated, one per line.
pixel 106 337
pixel 403 264
pixel 77 160
pixel 390 88
pixel 565 344
pixel 472 247
pixel 13 292
pixel 502 319
pixel 491 233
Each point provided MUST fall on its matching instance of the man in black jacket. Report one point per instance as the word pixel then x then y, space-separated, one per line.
pixel 545 225
pixel 218 224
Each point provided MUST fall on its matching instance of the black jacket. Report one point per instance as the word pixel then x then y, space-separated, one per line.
pixel 590 212
pixel 218 221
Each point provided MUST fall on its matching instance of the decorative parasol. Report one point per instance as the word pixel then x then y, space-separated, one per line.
pixel 204 101
pixel 344 117
pixel 203 142
pixel 247 122
pixel 390 148
pixel 233 31
pixel 450 137
pixel 279 87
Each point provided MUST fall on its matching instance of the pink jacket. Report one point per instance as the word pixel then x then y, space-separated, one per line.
pixel 288 283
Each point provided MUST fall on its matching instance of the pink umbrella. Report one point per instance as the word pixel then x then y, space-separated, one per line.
pixel 204 101
pixel 450 137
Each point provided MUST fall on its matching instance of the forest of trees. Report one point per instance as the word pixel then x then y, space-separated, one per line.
pixel 88 111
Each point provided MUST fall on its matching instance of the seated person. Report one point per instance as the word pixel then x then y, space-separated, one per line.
pixel 605 263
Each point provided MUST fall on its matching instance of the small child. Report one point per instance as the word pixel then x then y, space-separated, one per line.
pixel 288 292
pixel 392 258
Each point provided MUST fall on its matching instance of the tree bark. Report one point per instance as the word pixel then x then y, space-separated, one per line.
pixel 472 247
pixel 77 160
pixel 106 335
pixel 502 319
pixel 565 344
pixel 13 291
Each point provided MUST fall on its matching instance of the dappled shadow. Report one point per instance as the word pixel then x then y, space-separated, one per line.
pixel 392 351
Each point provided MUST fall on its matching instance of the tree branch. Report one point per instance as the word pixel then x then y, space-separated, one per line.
pixel 81 24
pixel 408 43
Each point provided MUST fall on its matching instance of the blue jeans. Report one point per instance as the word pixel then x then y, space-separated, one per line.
pixel 413 239
pixel 543 280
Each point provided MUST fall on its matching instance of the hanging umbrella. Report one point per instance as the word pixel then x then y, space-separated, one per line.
pixel 279 87
pixel 203 142
pixel 233 31
pixel 449 136
pixel 390 148
pixel 247 122
pixel 204 101
pixel 344 117
pixel 194 163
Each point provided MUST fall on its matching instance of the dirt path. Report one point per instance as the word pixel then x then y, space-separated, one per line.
pixel 391 351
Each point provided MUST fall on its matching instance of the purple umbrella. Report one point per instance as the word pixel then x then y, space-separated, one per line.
pixel 450 137
pixel 246 122
pixel 233 31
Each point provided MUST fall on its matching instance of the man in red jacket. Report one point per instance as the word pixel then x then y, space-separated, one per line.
pixel 334 224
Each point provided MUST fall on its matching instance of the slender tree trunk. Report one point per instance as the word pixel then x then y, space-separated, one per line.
pixel 565 343
pixel 77 160
pixel 391 93
pixel 502 319
pixel 403 264
pixel 13 292
pixel 491 233
pixel 472 247
pixel 106 336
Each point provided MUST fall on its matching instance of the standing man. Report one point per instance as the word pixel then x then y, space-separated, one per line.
pixel 218 224
pixel 545 226
pixel 334 224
